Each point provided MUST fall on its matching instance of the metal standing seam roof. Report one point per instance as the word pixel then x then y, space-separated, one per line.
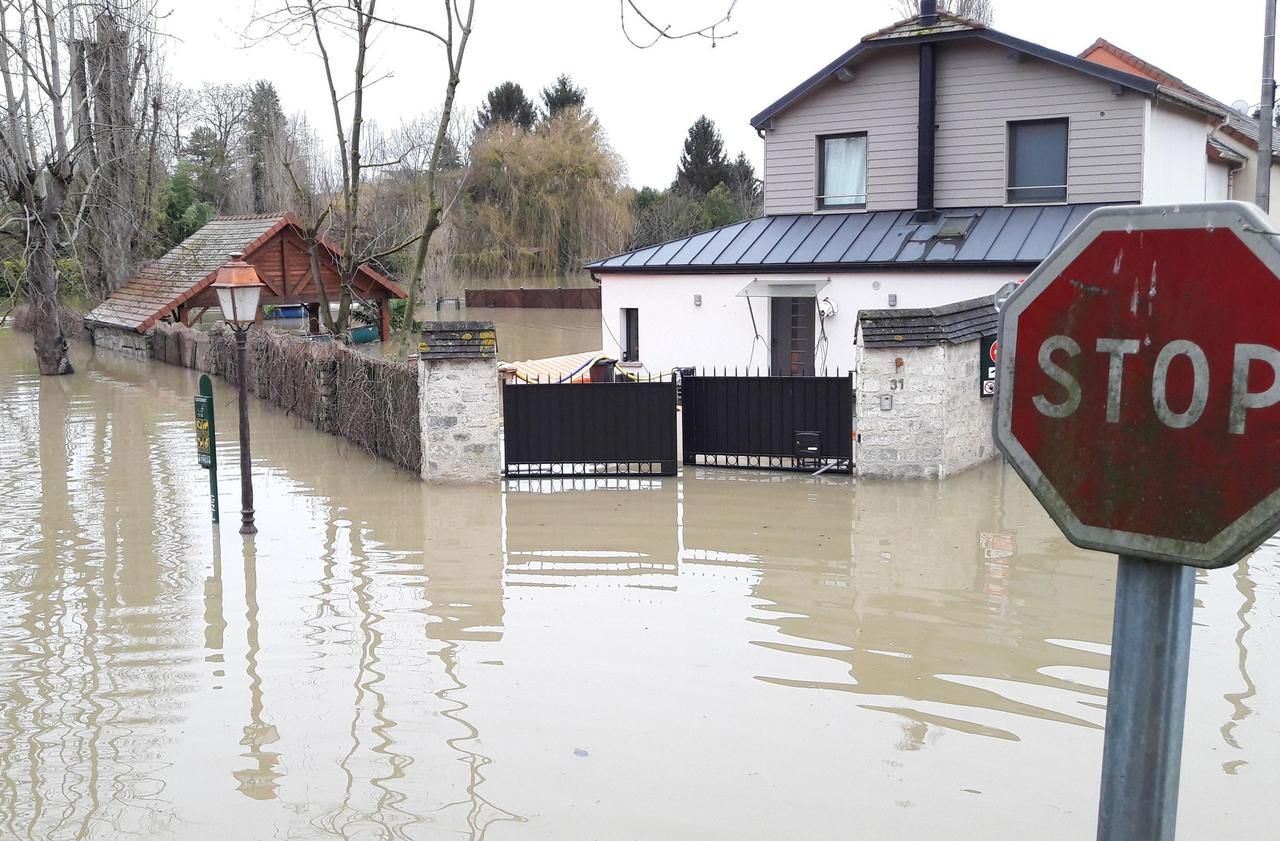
pixel 973 237
pixel 161 285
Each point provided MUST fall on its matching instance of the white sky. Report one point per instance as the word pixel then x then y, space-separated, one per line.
pixel 646 99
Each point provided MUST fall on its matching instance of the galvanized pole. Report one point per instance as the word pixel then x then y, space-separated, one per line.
pixel 1266 111
pixel 246 463
pixel 1146 700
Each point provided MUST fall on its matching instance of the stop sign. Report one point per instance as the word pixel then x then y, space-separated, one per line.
pixel 1139 386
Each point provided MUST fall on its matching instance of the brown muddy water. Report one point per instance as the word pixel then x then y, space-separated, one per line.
pixel 724 655
pixel 532 333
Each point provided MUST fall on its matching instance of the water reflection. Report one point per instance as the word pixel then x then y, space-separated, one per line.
pixel 722 655
pixel 258 780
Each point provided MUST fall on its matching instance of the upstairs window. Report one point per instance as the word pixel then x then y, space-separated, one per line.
pixel 1037 161
pixel 842 172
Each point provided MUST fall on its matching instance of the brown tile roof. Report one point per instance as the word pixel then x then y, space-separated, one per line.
pixel 1149 70
pixel 161 285
pixel 1247 129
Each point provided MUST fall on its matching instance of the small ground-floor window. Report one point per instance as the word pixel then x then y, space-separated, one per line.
pixel 630 334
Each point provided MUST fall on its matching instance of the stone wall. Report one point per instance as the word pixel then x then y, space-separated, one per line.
pixel 967 416
pixel 919 412
pixel 458 401
pixel 900 402
pixel 124 342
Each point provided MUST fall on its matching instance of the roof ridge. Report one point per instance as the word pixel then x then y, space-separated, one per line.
pixel 247 217
pixel 915 19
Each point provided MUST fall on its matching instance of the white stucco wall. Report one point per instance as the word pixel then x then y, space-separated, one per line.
pixel 1244 184
pixel 674 332
pixel 1175 166
pixel 1218 182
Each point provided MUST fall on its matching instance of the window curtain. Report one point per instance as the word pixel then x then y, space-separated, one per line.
pixel 844 171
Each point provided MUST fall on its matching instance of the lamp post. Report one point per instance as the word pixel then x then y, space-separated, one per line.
pixel 239 289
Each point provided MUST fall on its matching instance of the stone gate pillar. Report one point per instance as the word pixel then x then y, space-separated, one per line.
pixel 458 402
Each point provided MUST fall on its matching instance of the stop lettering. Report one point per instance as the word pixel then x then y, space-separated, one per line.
pixel 1139 394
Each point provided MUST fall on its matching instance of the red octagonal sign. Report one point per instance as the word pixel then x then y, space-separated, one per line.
pixel 1139 385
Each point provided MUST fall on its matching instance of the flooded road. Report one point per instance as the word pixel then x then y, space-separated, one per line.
pixel 727 655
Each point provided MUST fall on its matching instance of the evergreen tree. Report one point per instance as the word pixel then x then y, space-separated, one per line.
pixel 265 132
pixel 211 166
pixel 507 104
pixel 703 164
pixel 181 212
pixel 563 94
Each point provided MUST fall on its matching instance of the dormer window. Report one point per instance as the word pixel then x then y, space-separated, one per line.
pixel 1037 162
pixel 842 172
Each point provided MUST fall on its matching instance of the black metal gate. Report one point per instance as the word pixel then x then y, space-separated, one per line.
pixel 777 423
pixel 567 429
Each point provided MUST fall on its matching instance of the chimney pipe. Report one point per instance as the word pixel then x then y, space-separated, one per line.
pixel 927 114
pixel 928 11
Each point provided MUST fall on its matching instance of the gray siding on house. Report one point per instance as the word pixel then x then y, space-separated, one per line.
pixel 980 89
pixel 880 100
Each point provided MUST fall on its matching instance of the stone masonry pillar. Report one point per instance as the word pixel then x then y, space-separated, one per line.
pixel 458 402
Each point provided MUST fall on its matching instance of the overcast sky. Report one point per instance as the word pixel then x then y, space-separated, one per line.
pixel 646 99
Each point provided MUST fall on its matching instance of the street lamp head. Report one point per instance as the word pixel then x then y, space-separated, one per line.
pixel 239 289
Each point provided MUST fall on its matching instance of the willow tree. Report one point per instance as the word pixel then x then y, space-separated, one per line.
pixel 542 201
pixel 67 69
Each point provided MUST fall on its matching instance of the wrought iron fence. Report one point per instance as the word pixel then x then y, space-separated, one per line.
pixel 564 429
pixel 777 423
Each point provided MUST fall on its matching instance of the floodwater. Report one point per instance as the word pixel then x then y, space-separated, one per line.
pixel 724 655
pixel 532 333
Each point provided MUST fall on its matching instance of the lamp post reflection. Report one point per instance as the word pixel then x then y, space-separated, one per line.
pixel 259 780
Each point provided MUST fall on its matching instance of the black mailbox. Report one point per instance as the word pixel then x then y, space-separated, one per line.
pixel 808 444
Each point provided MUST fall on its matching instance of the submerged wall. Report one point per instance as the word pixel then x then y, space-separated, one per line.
pixel 921 413
pixel 458 402
pixel 124 342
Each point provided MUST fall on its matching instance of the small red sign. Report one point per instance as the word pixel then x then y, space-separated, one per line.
pixel 1140 397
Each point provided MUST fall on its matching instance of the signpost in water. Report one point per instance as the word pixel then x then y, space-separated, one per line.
pixel 206 440
pixel 1139 397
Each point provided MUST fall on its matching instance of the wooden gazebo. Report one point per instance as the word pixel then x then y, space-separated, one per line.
pixel 176 286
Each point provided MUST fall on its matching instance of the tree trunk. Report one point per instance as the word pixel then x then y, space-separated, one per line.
pixel 42 274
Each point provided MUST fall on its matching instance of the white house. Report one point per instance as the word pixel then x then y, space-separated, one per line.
pixel 932 163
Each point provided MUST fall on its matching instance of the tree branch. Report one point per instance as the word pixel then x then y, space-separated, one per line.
pixel 661 33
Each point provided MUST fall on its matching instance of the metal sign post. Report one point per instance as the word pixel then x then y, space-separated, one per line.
pixel 1138 396
pixel 1146 701
pixel 207 441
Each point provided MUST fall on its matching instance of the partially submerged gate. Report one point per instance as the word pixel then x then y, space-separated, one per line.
pixel 775 423
pixel 573 429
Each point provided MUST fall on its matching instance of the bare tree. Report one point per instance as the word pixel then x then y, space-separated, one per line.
pixel 979 11
pixel 53 151
pixel 456 35
pixel 116 115
pixel 359 22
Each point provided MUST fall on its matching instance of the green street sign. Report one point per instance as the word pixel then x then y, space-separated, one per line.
pixel 206 440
